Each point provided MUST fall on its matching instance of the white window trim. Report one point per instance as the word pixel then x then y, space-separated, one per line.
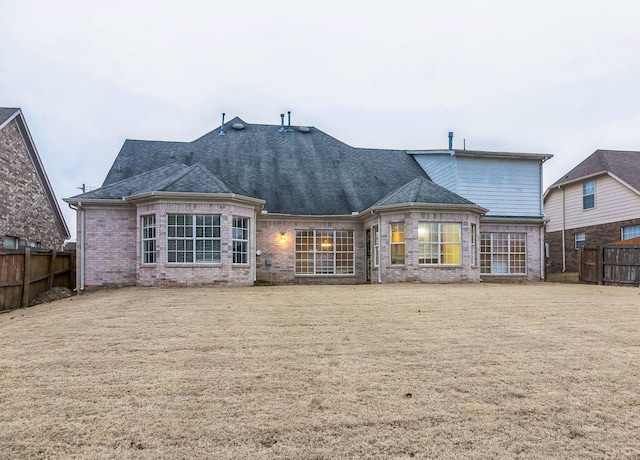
pixel 439 244
pixel 194 238
pixel 576 240
pixel 590 194
pixel 242 241
pixel 635 229
pixel 398 243
pixel 376 246
pixel 509 254
pixel 315 233
pixel 144 226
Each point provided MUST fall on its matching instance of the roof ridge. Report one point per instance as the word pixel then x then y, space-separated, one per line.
pixel 129 179
pixel 177 176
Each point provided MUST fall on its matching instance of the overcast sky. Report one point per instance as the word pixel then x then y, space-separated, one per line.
pixel 558 77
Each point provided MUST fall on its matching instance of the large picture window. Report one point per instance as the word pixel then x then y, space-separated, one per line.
pixel 397 243
pixel 193 238
pixel 503 253
pixel 240 240
pixel 324 252
pixel 149 239
pixel 439 243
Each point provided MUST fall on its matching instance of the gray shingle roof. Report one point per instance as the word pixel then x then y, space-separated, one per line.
pixel 300 172
pixel 422 190
pixel 624 164
pixel 6 113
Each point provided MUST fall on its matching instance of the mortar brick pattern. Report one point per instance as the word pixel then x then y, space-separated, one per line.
pixel 113 255
pixel 595 236
pixel 25 210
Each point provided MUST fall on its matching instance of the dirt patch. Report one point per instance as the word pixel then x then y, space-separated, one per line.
pixel 567 277
pixel 56 293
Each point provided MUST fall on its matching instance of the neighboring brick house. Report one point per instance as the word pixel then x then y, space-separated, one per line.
pixel 30 215
pixel 291 204
pixel 596 203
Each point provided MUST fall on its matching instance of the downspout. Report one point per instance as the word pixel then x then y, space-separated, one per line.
pixel 564 249
pixel 379 243
pixel 80 212
pixel 543 253
pixel 254 256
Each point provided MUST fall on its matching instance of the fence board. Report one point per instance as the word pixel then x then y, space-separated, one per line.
pixel 613 264
pixel 28 272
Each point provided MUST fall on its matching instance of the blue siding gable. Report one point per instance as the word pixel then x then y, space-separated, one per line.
pixel 508 184
pixel 441 168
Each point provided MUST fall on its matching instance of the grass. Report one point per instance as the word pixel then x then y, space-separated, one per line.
pixel 393 371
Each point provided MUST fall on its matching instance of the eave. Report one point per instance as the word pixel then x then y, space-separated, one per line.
pixel 514 220
pixel 192 196
pixel 412 206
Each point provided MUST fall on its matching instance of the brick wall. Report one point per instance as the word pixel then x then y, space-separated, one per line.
pixel 281 252
pixel 412 271
pixel 225 273
pixel 25 209
pixel 595 236
pixel 109 246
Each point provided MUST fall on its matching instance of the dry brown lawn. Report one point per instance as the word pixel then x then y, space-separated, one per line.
pixel 394 371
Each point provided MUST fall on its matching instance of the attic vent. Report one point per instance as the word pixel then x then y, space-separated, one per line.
pixel 237 126
pixel 303 129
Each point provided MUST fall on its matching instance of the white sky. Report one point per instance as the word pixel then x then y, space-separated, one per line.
pixel 559 77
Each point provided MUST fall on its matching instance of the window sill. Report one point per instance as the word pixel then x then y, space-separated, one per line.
pixel 178 265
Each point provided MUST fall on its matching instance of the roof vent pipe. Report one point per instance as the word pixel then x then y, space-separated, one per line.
pixel 222 125
pixel 450 140
pixel 289 121
pixel 282 128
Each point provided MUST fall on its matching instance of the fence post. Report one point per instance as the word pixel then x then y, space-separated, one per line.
pixel 26 278
pixel 52 268
pixel 600 265
pixel 580 259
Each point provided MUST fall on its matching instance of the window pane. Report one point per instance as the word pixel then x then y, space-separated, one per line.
pixel 240 240
pixel 193 238
pixel 397 243
pixel 631 231
pixel 503 253
pixel 149 239
pixel 324 252
pixel 588 194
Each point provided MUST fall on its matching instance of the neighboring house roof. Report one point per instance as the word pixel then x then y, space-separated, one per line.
pixel 623 164
pixel 6 116
pixel 296 170
pixel 6 113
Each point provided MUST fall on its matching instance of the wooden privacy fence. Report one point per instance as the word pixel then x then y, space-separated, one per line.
pixel 613 264
pixel 28 272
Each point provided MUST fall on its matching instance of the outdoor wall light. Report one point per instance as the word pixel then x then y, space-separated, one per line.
pixel 282 238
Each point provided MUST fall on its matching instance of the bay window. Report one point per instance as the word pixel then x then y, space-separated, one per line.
pixel 193 238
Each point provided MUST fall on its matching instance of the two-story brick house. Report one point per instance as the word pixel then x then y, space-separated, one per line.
pixel 596 203
pixel 29 211
pixel 291 204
